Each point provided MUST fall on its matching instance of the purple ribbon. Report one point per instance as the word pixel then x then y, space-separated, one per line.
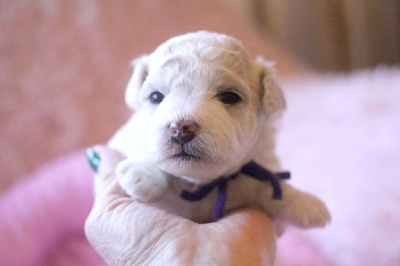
pixel 251 169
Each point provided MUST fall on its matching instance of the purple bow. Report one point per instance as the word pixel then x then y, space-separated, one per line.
pixel 251 169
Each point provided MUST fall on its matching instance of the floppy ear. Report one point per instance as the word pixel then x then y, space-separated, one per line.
pixel 140 72
pixel 272 97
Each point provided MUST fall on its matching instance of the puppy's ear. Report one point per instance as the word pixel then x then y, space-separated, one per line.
pixel 272 97
pixel 140 72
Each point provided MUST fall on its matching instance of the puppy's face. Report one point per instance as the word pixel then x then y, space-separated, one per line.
pixel 206 104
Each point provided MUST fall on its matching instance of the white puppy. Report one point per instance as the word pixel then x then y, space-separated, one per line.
pixel 204 109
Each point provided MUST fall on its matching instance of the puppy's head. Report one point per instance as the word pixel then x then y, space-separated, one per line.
pixel 207 103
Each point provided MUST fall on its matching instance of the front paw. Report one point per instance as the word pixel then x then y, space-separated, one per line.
pixel 141 181
pixel 307 211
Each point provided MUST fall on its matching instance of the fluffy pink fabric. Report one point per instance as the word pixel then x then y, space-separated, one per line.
pixel 340 139
pixel 42 217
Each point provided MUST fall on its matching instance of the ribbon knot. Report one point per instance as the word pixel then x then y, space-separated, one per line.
pixel 251 169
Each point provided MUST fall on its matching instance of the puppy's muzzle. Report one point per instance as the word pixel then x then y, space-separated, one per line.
pixel 183 131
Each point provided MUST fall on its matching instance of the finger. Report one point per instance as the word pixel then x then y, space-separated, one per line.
pixel 109 159
pixel 105 181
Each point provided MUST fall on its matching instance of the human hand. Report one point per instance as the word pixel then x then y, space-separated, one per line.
pixel 126 232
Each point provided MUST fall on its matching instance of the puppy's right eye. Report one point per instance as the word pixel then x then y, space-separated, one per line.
pixel 156 97
pixel 229 97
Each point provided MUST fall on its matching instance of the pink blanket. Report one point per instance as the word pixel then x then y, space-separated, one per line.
pixel 42 217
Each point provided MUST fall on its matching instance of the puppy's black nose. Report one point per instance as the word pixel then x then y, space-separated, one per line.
pixel 183 131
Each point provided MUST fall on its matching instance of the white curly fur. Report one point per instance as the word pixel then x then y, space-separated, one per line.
pixel 191 71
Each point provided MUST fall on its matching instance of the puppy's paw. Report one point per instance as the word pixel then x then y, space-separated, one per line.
pixel 307 211
pixel 141 181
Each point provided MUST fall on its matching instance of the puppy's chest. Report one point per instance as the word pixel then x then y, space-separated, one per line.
pixel 241 192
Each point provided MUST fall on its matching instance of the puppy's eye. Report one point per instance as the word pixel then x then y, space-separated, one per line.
pixel 156 97
pixel 229 97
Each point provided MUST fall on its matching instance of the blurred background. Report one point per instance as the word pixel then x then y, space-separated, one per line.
pixel 332 35
pixel 64 64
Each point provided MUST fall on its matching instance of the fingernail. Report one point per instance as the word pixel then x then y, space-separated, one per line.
pixel 93 158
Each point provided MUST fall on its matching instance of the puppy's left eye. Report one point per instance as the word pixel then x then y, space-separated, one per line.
pixel 156 97
pixel 229 97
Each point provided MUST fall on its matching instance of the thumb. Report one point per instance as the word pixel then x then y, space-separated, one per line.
pixel 103 159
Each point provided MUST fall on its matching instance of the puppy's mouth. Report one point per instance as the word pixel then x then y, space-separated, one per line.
pixel 187 152
pixel 185 157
